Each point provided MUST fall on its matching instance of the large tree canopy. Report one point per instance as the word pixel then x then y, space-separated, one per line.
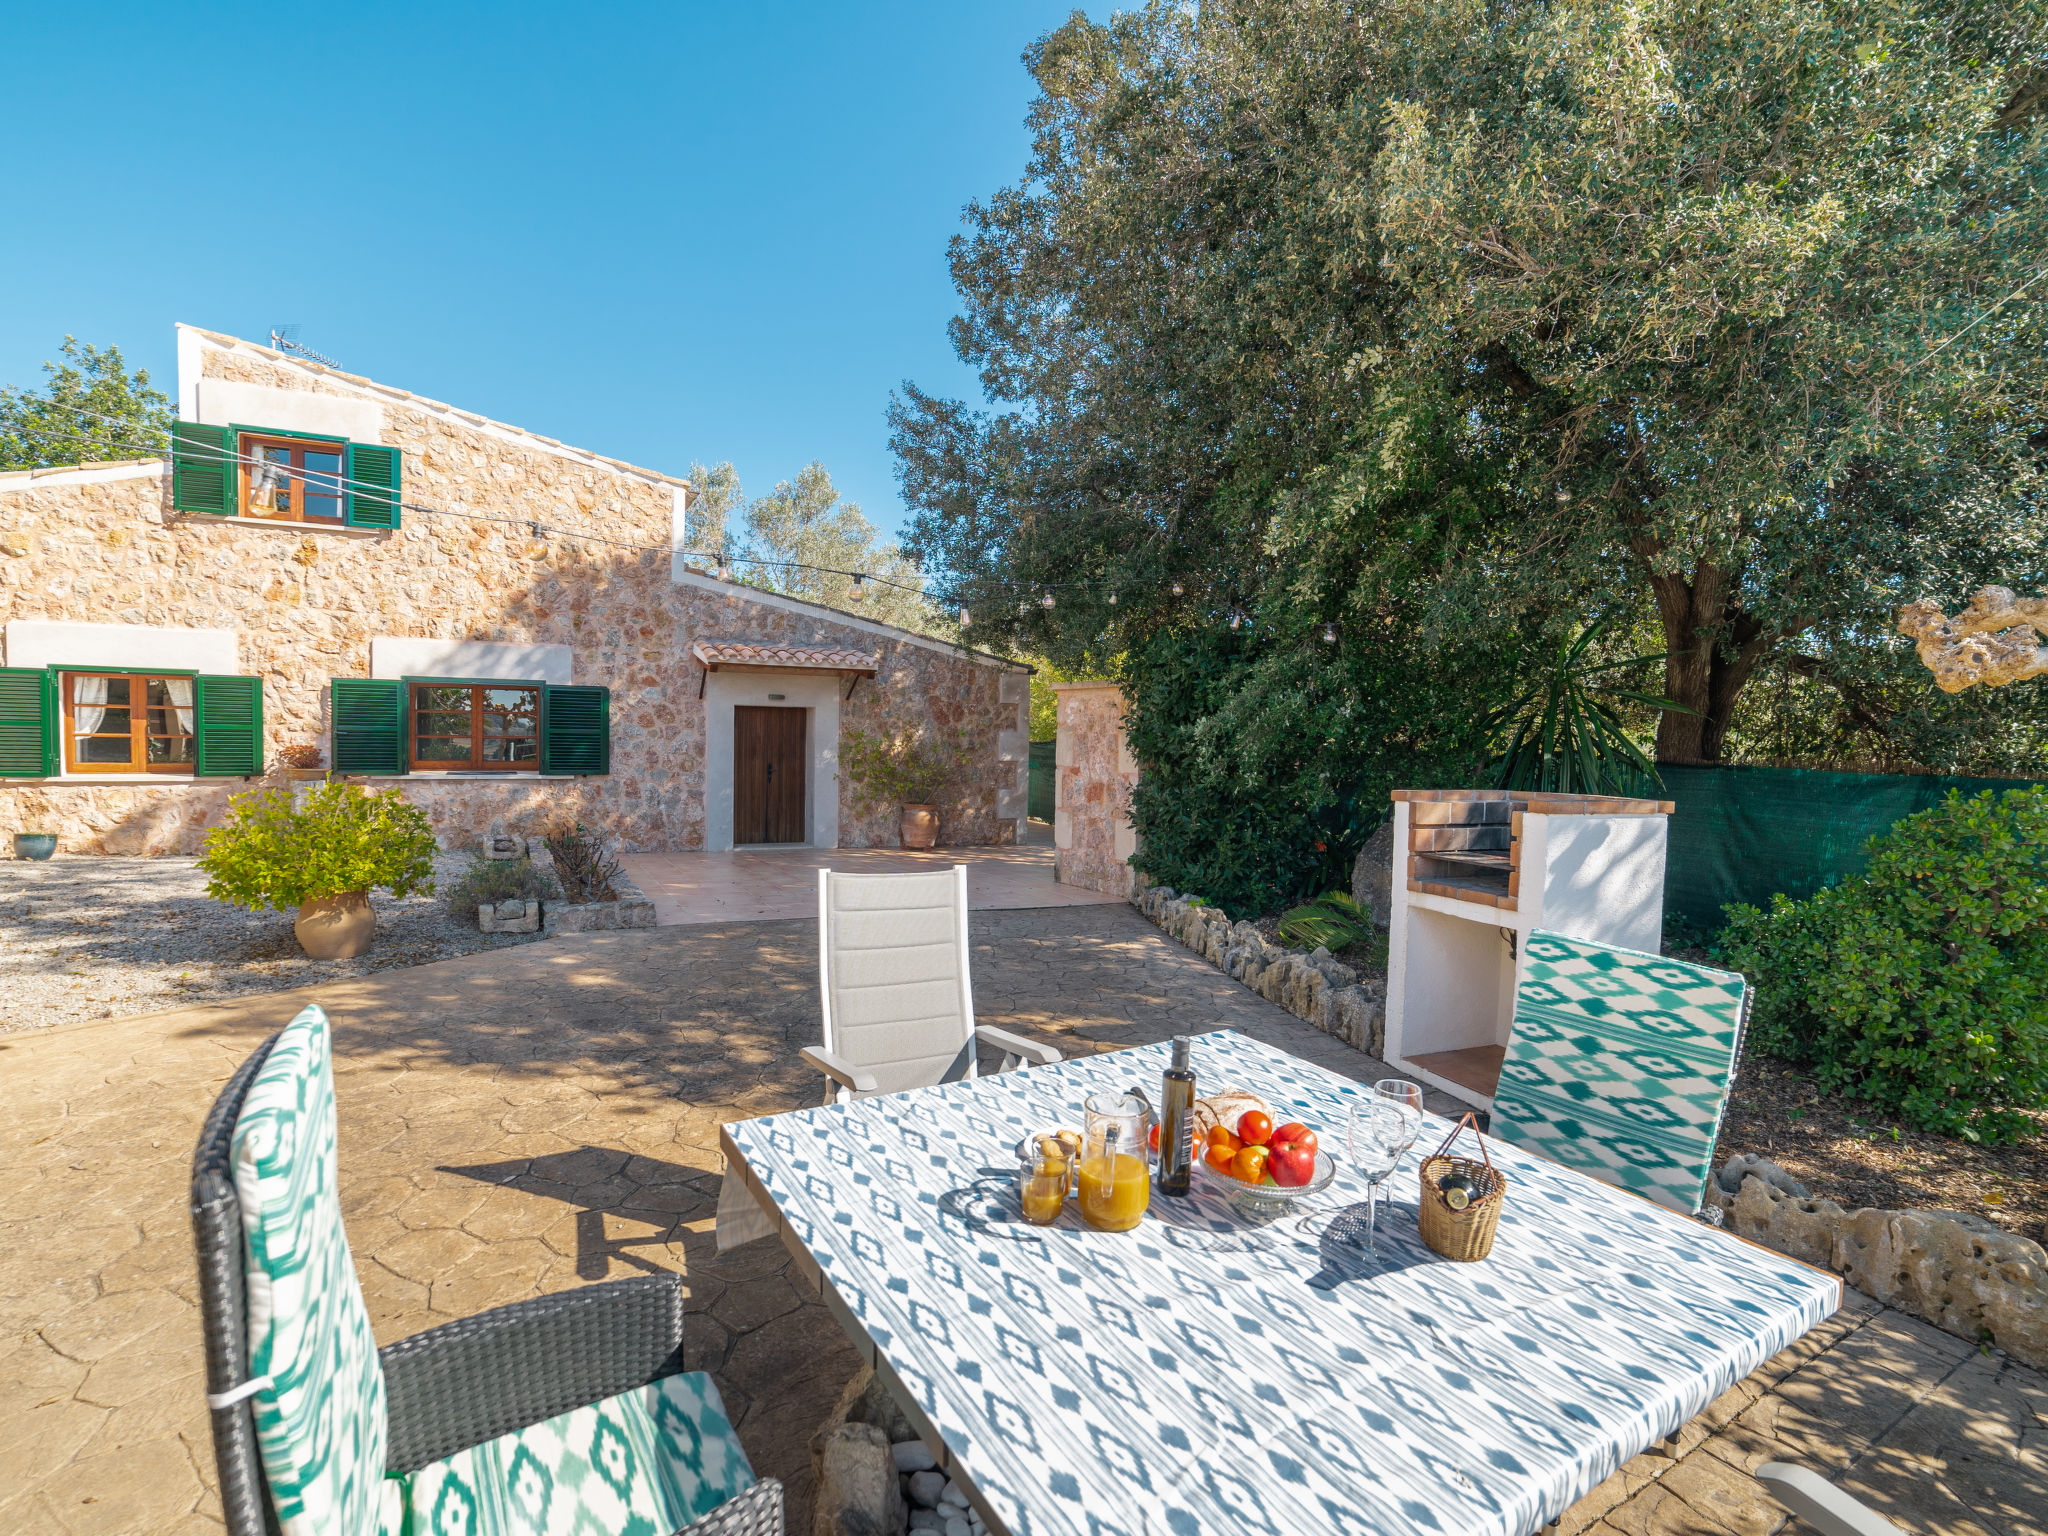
pixel 91 409
pixel 1447 319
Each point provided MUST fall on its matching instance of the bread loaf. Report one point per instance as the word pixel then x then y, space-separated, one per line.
pixel 1226 1109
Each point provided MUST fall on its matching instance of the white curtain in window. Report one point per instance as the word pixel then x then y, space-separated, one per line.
pixel 180 690
pixel 88 703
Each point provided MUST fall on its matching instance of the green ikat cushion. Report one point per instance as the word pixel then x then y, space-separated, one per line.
pixel 1619 1065
pixel 320 1422
pixel 645 1463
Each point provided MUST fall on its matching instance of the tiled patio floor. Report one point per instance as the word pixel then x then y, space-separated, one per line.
pixel 525 1121
pixel 783 883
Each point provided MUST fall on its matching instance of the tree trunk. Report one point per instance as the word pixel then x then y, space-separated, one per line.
pixel 1714 649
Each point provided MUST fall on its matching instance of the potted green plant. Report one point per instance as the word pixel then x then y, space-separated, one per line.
pixel 34 845
pixel 321 859
pixel 910 772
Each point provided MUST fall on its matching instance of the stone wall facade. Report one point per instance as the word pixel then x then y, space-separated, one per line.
pixel 534 544
pixel 1093 778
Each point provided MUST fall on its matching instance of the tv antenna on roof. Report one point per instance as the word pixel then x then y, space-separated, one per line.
pixel 285 338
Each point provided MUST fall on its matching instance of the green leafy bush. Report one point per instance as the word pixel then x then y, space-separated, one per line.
pixel 1334 920
pixel 494 880
pixel 273 853
pixel 909 769
pixel 1920 986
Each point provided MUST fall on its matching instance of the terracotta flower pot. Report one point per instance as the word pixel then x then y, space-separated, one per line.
pixel 920 826
pixel 336 927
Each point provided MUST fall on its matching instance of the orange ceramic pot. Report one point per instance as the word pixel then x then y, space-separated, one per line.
pixel 920 826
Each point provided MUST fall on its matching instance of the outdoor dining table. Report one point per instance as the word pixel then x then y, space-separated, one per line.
pixel 1202 1373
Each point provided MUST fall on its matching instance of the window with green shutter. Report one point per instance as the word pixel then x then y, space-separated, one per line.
pixel 28 723
pixel 576 730
pixel 227 726
pixel 203 477
pixel 298 477
pixel 368 717
pixel 469 725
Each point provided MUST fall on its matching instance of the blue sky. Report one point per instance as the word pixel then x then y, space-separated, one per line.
pixel 664 233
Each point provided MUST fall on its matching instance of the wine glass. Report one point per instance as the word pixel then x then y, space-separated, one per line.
pixel 1377 1133
pixel 1406 1097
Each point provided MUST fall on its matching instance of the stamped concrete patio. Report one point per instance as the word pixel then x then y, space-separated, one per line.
pixel 530 1120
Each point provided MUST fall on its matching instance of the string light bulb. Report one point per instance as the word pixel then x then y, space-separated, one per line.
pixel 724 570
pixel 1112 599
pixel 1236 618
pixel 860 586
pixel 966 618
pixel 1563 495
pixel 1329 634
pixel 1178 589
pixel 1045 601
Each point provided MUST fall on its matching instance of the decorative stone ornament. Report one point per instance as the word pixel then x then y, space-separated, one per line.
pixel 1993 641
pixel 509 917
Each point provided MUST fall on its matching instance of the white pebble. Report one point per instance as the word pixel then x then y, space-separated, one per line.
pixel 926 1488
pixel 951 1494
pixel 926 1520
pixel 958 1527
pixel 912 1456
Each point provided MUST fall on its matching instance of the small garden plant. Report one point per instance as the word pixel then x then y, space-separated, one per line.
pixel 583 863
pixel 489 881
pixel 272 852
pixel 1333 920
pixel 1920 986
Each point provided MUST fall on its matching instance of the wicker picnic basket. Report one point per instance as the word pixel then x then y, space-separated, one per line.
pixel 1461 1233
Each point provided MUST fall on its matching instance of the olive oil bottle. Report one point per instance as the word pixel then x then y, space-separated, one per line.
pixel 1176 1117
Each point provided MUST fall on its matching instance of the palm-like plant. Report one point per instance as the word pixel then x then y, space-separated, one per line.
pixel 1564 733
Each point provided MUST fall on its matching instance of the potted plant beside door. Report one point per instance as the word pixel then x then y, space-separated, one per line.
pixel 321 860
pixel 910 772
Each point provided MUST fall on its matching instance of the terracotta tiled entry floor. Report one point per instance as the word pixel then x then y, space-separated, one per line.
pixel 736 887
pixel 525 1121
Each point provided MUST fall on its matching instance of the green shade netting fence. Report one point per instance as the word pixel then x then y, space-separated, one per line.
pixel 1742 834
pixel 1039 801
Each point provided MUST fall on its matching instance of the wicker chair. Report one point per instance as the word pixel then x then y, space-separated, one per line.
pixel 460 1386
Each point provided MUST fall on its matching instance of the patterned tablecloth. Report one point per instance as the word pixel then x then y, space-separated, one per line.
pixel 1202 1375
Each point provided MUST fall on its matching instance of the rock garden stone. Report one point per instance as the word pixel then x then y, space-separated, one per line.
pixel 1372 876
pixel 857 1489
pixel 913 1456
pixel 508 917
pixel 958 1527
pixel 925 1489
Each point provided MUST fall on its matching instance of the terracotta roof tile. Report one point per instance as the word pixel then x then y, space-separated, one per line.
pixel 741 653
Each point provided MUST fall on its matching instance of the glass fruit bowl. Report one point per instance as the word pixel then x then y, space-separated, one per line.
pixel 1262 1203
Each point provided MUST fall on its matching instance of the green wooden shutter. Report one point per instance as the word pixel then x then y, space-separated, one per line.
pixel 575 730
pixel 227 726
pixel 28 723
pixel 373 494
pixel 203 477
pixel 369 725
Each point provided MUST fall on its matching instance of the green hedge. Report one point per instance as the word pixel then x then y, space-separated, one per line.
pixel 1920 986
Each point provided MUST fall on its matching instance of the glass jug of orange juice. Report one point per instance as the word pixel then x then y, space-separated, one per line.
pixel 1114 1182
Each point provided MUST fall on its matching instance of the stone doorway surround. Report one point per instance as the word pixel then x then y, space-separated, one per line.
pixel 811 678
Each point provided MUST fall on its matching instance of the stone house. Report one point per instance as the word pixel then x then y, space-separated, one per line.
pixel 329 572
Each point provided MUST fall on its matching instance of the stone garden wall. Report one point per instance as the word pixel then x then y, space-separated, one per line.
pixel 101 545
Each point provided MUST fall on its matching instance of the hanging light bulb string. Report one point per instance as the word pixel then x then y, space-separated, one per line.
pixel 722 560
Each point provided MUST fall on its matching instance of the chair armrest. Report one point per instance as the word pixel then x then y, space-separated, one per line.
pixel 470 1381
pixel 840 1071
pixel 1016 1046
pixel 1820 1503
pixel 757 1512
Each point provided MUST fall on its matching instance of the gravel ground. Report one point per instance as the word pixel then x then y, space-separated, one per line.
pixel 103 938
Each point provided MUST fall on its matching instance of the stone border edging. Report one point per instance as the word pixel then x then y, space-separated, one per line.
pixel 1958 1271
pixel 631 910
pixel 1312 987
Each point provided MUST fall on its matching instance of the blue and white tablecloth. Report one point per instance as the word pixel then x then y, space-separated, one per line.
pixel 1197 1375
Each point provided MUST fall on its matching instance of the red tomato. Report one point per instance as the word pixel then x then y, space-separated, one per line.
pixel 1254 1129
pixel 1249 1165
pixel 1297 1133
pixel 1292 1164
pixel 1154 1138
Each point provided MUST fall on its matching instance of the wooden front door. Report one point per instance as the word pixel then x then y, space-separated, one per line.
pixel 767 775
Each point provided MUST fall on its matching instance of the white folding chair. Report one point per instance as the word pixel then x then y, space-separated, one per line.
pixel 892 973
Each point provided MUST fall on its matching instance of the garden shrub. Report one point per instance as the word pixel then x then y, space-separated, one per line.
pixel 1920 986
pixel 583 863
pixel 273 852
pixel 1334 920
pixel 494 880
